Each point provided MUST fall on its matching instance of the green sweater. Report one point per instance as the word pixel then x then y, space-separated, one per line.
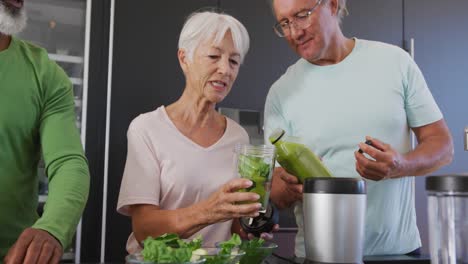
pixel 37 114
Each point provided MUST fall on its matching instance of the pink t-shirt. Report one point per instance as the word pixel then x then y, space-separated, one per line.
pixel 167 169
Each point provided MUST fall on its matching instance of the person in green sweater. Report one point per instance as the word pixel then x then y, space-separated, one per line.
pixel 36 115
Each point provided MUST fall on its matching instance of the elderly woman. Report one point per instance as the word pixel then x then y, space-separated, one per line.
pixel 178 176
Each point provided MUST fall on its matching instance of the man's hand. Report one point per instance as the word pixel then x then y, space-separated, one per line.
pixel 285 189
pixel 385 163
pixel 264 236
pixel 34 246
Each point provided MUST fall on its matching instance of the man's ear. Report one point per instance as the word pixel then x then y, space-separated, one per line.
pixel 183 60
pixel 334 6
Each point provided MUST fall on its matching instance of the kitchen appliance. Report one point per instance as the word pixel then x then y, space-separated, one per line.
pixel 448 218
pixel 263 223
pixel 256 163
pixel 334 218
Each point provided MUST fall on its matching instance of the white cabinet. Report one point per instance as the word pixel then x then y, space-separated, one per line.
pixel 62 28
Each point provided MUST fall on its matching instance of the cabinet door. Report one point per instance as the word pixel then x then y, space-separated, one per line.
pixel 268 57
pixel 146 74
pixel 440 41
pixel 380 20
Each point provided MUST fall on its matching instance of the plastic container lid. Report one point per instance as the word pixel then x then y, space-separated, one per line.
pixel 447 183
pixel 335 185
pixel 276 135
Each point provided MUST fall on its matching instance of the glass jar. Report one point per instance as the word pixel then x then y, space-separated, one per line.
pixel 448 218
pixel 256 163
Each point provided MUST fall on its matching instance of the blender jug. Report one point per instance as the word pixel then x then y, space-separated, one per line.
pixel 256 163
pixel 448 218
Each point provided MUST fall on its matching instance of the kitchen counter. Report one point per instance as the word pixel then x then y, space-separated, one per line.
pixel 367 260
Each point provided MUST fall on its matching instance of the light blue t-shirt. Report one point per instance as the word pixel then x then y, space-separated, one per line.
pixel 377 91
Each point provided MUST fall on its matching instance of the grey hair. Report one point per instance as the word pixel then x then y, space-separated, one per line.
pixel 202 26
pixel 342 10
pixel 12 23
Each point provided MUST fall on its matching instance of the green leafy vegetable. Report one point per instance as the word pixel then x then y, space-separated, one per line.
pixel 252 244
pixel 255 249
pixel 169 248
pixel 258 171
pixel 227 246
pixel 253 167
pixel 217 259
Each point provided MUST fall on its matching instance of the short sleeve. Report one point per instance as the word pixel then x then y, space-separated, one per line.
pixel 421 108
pixel 141 178
pixel 273 116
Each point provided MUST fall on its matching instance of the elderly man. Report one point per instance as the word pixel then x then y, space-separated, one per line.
pixel 36 113
pixel 341 92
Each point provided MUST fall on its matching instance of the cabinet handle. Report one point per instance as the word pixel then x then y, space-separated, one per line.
pixel 466 138
pixel 412 48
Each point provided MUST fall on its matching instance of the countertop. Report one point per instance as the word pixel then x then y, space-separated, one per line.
pixel 367 260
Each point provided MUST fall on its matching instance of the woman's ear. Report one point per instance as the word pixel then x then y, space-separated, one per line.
pixel 183 60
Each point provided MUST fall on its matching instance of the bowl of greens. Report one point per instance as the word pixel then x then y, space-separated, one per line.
pixel 214 255
pixel 137 258
pixel 256 250
pixel 167 249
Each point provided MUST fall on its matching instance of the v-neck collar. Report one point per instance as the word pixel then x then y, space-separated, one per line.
pixel 188 140
pixel 10 47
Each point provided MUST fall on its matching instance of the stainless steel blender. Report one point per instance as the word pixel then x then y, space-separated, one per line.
pixel 334 219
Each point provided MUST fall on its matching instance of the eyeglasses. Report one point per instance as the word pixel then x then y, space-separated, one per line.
pixel 300 20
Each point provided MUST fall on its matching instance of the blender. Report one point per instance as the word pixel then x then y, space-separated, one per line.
pixel 256 163
pixel 448 218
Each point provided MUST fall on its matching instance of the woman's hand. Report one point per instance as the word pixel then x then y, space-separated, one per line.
pixel 224 204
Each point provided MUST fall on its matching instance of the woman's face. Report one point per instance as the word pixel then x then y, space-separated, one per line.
pixel 213 69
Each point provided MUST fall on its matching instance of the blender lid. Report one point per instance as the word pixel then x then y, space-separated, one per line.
pixel 335 185
pixel 447 183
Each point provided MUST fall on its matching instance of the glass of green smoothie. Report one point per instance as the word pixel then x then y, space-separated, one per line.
pixel 256 163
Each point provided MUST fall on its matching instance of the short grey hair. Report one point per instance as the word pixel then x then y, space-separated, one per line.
pixel 342 10
pixel 202 26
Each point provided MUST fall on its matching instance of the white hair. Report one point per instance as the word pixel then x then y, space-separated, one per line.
pixel 342 10
pixel 11 23
pixel 203 26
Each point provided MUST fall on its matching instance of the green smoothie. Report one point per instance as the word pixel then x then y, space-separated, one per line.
pixel 297 159
pixel 259 172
